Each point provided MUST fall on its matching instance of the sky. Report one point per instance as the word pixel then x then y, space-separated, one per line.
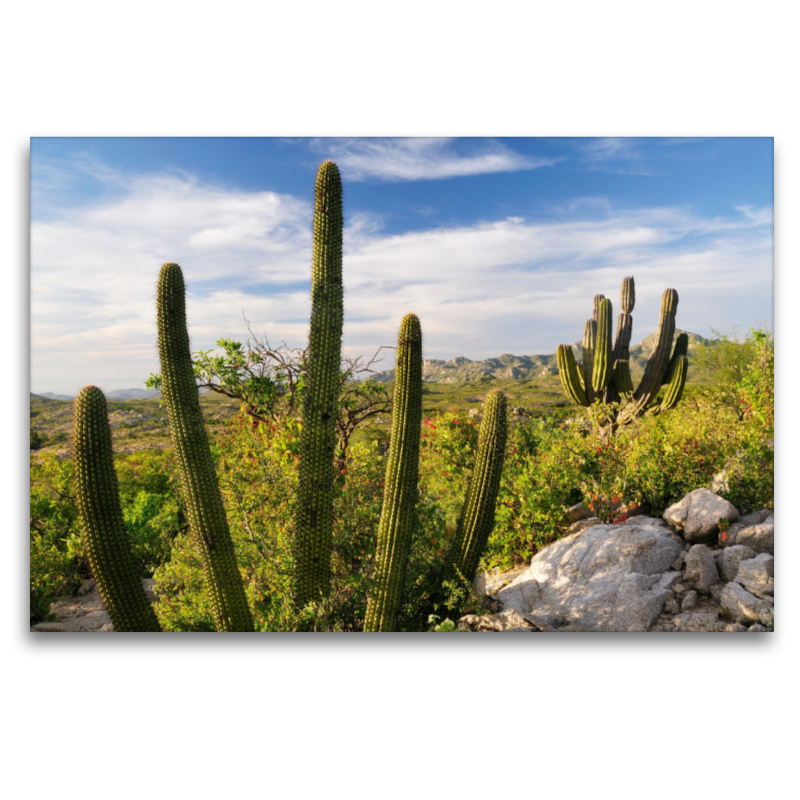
pixel 498 245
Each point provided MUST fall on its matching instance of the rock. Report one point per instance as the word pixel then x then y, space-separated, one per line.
pixel 715 590
pixel 731 558
pixel 699 622
pixel 582 525
pixel 671 606
pixel 577 512
pixel 492 623
pixel 698 515
pixel 735 627
pixel 741 606
pixel 757 576
pixel 604 578
pixel 701 571
pixel 490 582
pixel 757 626
pixel 86 587
pixel 759 537
pixel 689 600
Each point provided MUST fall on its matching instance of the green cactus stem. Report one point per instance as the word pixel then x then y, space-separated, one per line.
pixel 104 534
pixel 568 371
pixel 477 516
pixel 677 383
pixel 400 485
pixel 659 359
pixel 603 363
pixel 314 516
pixel 681 348
pixel 627 295
pixel 587 364
pixel 207 521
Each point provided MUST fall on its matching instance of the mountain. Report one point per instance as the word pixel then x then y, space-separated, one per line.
pixel 505 367
pixel 51 396
pixel 116 394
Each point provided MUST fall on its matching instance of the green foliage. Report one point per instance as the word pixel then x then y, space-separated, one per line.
pixel 37 439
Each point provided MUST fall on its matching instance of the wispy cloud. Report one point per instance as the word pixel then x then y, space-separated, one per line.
pixel 622 156
pixel 414 159
pixel 506 285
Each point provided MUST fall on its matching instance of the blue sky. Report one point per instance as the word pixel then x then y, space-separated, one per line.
pixel 498 245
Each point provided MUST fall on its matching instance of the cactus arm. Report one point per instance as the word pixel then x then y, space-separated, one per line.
pixel 659 358
pixel 568 372
pixel 627 295
pixel 400 485
pixel 104 534
pixel 681 348
pixel 314 515
pixel 587 364
pixel 676 385
pixel 207 520
pixel 477 516
pixel 622 379
pixel 603 363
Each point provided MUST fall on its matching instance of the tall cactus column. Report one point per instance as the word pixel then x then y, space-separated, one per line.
pixel 104 534
pixel 477 516
pixel 207 520
pixel 400 486
pixel 314 515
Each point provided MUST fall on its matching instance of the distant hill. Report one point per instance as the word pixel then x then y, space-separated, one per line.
pixel 505 367
pixel 116 394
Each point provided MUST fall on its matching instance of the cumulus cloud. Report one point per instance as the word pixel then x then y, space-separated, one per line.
pixel 505 285
pixel 415 159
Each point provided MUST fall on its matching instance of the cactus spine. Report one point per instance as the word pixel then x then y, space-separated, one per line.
pixel 477 515
pixel 104 534
pixel 606 372
pixel 207 520
pixel 314 516
pixel 400 485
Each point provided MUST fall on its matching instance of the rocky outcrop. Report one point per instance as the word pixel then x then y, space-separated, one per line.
pixel 640 575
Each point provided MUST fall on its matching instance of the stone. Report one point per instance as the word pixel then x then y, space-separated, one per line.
pixel 757 626
pixel 492 623
pixel 604 578
pixel 701 571
pixel 731 558
pixel 86 587
pixel 699 622
pixel 735 627
pixel 698 515
pixel 689 600
pixel 671 606
pixel 583 524
pixel 757 575
pixel 741 606
pixel 577 512
pixel 759 537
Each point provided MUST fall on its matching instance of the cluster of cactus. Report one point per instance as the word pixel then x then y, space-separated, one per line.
pixel 97 491
pixel 604 373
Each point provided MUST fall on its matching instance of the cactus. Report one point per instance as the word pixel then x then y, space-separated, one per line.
pixel 603 364
pixel 314 516
pixel 207 520
pixel 477 516
pixel 400 485
pixel 104 535
pixel 606 371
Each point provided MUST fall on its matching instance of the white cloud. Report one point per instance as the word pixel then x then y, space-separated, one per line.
pixel 415 159
pixel 621 156
pixel 510 285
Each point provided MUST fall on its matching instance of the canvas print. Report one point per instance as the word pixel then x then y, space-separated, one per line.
pixel 461 385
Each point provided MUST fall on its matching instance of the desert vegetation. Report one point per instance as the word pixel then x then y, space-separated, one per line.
pixel 293 496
